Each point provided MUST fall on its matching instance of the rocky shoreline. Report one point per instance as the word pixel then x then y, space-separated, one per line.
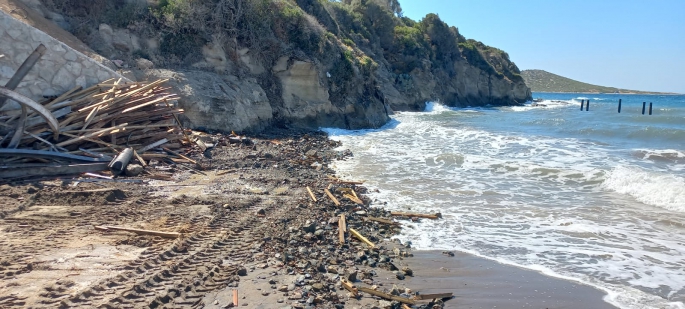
pixel 248 223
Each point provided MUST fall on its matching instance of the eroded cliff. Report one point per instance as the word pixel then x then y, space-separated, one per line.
pixel 246 65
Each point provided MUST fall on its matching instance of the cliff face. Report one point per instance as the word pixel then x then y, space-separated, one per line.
pixel 245 65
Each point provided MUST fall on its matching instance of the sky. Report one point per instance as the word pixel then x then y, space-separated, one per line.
pixel 630 44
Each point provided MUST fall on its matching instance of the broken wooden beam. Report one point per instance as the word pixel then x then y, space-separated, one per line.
pixel 311 194
pixel 350 287
pixel 342 228
pixel 362 238
pixel 180 155
pixel 381 220
pixel 51 170
pixel 139 231
pixel 433 296
pixel 417 215
pixel 353 198
pixel 335 200
pixel 387 296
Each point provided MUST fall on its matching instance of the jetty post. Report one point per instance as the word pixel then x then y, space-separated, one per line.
pixel 643 107
pixel 587 106
pixel 650 108
pixel 582 102
pixel 619 106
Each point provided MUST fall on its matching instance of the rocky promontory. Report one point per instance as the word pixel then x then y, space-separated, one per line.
pixel 248 65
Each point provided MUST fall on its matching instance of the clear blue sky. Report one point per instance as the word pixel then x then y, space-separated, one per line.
pixel 632 44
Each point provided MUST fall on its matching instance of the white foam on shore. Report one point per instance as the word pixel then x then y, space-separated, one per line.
pixel 653 188
pixel 537 202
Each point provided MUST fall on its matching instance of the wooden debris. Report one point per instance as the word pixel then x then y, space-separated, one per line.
pixel 311 194
pixel 417 215
pixel 381 220
pixel 350 287
pixel 139 232
pixel 335 200
pixel 179 155
pixel 113 113
pixel 353 198
pixel 360 237
pixel 404 306
pixel 387 296
pixel 235 298
pixel 342 228
pixel 433 296
pixel 140 159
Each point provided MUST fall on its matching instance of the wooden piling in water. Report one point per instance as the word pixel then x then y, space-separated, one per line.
pixel 582 102
pixel 619 106
pixel 643 107
pixel 650 108
pixel 587 105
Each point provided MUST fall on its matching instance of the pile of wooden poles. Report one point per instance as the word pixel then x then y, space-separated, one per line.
pixel 97 122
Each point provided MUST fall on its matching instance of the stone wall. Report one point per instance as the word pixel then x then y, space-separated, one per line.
pixel 59 70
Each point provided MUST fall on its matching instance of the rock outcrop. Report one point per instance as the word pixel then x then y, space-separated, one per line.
pixel 304 64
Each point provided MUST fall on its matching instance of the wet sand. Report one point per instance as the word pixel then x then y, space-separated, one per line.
pixel 479 283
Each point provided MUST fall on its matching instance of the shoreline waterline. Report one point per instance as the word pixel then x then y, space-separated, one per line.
pixel 531 187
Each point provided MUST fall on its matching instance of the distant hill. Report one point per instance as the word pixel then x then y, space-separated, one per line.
pixel 543 81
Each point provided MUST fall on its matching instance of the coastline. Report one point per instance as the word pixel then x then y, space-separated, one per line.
pixel 628 93
pixel 482 283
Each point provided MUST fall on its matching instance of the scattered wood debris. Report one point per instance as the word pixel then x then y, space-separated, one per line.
pixel 387 296
pixel 416 215
pixel 361 237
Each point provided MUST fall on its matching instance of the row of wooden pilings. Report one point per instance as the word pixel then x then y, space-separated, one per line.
pixel 587 106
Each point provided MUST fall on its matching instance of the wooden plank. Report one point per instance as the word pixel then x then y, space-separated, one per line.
pixel 80 138
pixel 139 231
pixel 360 237
pixel 387 296
pixel 311 194
pixel 353 198
pixel 381 220
pixel 235 298
pixel 342 226
pixel 335 200
pixel 350 287
pixel 433 296
pixel 52 170
pixel 417 215
pixel 153 145
pixel 142 162
pixel 179 155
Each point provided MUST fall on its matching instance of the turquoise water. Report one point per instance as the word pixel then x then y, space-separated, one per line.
pixel 592 196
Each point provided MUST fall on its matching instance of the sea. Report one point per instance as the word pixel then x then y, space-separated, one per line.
pixel 594 196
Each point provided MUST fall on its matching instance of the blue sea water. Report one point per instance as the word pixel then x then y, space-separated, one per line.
pixel 593 196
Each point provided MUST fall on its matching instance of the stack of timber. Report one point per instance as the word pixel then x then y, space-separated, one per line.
pixel 83 129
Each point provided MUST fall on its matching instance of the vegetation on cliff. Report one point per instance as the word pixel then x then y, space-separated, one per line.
pixel 543 81
pixel 367 53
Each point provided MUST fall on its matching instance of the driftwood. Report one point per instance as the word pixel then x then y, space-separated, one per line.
pixel 433 296
pixel 353 198
pixel 342 228
pixel 139 232
pixel 350 287
pixel 311 194
pixel 335 200
pixel 381 220
pixel 362 238
pixel 387 296
pixel 417 215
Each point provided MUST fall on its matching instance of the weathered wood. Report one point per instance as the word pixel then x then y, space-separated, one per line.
pixel 179 155
pixel 350 287
pixel 311 194
pixel 381 220
pixel 30 153
pixel 153 145
pixel 139 231
pixel 140 159
pixel 433 296
pixel 417 215
pixel 353 198
pixel 97 133
pixel 362 238
pixel 387 296
pixel 333 198
pixel 342 227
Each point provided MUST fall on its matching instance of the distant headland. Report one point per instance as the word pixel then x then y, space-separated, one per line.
pixel 543 81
